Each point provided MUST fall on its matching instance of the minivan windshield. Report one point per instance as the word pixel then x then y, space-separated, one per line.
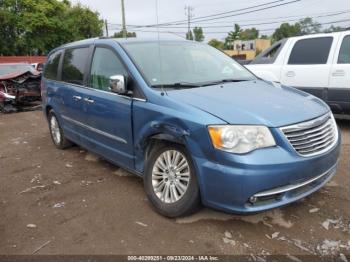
pixel 184 64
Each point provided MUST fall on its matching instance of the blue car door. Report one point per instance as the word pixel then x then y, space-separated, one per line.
pixel 73 79
pixel 109 114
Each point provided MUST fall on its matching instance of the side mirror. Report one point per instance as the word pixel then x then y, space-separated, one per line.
pixel 117 84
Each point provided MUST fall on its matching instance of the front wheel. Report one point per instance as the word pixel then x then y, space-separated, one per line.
pixel 170 181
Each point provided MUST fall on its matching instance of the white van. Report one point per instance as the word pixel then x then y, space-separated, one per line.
pixel 318 64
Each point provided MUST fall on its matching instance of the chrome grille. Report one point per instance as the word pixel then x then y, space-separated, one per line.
pixel 313 137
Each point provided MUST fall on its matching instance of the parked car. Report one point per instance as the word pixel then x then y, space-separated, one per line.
pixel 19 85
pixel 318 64
pixel 196 125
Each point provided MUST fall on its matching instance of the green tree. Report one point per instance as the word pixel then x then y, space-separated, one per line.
pixel 232 36
pixel 31 27
pixel 189 36
pixel 216 43
pixel 286 30
pixel 84 22
pixel 198 34
pixel 121 35
pixel 333 28
pixel 308 26
pixel 249 34
pixel 7 29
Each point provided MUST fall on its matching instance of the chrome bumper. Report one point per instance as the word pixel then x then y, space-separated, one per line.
pixel 287 188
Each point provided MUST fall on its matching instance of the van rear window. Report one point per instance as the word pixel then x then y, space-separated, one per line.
pixel 74 64
pixel 51 68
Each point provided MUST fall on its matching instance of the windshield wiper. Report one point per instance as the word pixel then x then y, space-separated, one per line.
pixel 178 85
pixel 224 81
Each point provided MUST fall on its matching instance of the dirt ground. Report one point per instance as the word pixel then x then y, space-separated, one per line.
pixel 72 202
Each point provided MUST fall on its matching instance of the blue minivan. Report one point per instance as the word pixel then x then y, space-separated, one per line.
pixel 196 125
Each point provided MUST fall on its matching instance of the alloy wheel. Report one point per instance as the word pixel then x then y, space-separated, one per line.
pixel 55 130
pixel 171 176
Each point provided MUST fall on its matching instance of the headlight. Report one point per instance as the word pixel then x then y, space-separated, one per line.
pixel 240 139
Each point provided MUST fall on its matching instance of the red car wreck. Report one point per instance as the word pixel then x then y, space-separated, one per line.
pixel 19 87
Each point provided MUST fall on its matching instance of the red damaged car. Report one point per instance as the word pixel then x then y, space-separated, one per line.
pixel 19 87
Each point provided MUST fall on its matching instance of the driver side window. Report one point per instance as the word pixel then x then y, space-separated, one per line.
pixel 105 64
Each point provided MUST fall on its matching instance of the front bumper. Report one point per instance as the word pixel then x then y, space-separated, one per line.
pixel 264 179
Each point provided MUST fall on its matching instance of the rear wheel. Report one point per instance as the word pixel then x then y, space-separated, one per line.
pixel 56 132
pixel 170 181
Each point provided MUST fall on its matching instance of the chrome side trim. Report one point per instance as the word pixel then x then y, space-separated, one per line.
pixel 287 188
pixel 139 99
pixel 97 90
pixel 117 138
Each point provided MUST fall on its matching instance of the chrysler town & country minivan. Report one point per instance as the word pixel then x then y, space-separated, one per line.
pixel 196 125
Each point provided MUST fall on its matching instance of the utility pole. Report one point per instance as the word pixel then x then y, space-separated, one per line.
pixel 123 20
pixel 189 13
pixel 106 24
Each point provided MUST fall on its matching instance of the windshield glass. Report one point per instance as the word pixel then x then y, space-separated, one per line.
pixel 8 69
pixel 184 63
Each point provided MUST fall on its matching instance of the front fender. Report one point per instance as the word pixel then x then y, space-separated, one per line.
pixel 170 121
pixel 164 128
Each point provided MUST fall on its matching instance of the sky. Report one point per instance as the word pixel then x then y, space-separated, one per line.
pixel 143 12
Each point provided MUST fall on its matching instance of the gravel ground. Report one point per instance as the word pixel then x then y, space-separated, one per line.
pixel 72 202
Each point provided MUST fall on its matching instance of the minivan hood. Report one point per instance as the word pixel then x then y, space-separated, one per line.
pixel 253 103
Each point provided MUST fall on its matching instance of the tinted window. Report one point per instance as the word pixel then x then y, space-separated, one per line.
pixel 344 54
pixel 52 66
pixel 104 65
pixel 311 51
pixel 74 64
pixel 272 53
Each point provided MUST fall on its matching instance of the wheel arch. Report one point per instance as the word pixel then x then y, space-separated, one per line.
pixel 157 133
pixel 159 139
pixel 48 108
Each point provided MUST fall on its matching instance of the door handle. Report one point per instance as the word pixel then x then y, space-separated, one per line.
pixel 338 73
pixel 77 98
pixel 89 101
pixel 290 74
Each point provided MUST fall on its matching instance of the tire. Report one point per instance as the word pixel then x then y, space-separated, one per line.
pixel 56 132
pixel 176 201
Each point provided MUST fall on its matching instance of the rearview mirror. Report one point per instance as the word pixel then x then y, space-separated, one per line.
pixel 117 84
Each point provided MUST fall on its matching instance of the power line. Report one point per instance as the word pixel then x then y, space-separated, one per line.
pixel 252 24
pixel 228 12
pixel 278 17
pixel 221 32
pixel 312 15
pixel 214 16
pixel 242 13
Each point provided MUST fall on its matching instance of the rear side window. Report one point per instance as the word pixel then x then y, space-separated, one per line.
pixel 74 64
pixel 52 63
pixel 344 54
pixel 313 51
